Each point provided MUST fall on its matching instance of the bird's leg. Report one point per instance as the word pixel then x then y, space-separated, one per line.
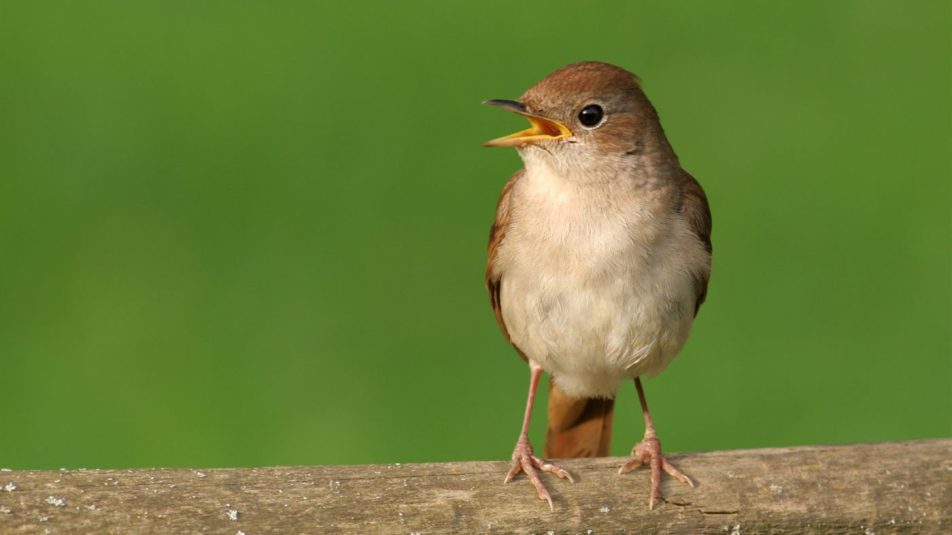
pixel 523 458
pixel 649 451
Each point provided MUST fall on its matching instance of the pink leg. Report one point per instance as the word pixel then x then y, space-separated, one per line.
pixel 649 451
pixel 523 458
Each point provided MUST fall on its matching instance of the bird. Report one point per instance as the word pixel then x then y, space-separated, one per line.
pixel 599 259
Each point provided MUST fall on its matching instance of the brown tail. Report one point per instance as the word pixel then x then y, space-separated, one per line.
pixel 578 427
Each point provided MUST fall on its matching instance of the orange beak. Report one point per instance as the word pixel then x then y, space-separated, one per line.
pixel 542 127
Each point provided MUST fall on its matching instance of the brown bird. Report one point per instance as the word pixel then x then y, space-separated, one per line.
pixel 599 258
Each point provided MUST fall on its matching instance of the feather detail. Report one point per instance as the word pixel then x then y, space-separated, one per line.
pixel 496 236
pixel 696 211
pixel 578 427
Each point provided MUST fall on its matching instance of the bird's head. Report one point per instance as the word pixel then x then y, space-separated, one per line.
pixel 583 116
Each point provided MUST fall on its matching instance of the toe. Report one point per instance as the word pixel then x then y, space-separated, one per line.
pixel 631 465
pixel 555 469
pixel 648 451
pixel 677 474
pixel 513 471
pixel 537 483
pixel 544 494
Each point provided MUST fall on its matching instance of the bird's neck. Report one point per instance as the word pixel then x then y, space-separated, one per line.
pixel 647 169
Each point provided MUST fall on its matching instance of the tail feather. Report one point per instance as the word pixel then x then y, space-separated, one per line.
pixel 578 427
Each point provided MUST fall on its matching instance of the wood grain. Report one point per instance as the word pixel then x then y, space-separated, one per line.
pixel 903 487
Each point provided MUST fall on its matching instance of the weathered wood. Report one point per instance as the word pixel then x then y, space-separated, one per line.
pixel 870 488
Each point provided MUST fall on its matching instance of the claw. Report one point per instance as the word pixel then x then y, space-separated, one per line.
pixel 675 473
pixel 516 468
pixel 523 460
pixel 630 465
pixel 649 451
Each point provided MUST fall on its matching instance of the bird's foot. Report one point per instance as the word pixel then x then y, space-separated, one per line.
pixel 524 460
pixel 649 451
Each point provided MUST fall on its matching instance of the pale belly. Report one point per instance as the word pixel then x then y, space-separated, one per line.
pixel 593 318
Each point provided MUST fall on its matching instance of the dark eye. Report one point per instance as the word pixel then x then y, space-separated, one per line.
pixel 591 115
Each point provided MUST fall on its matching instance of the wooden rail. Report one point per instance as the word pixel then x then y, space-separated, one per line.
pixel 903 487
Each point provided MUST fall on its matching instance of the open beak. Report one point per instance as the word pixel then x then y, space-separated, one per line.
pixel 542 128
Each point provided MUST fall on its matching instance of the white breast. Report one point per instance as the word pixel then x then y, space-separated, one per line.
pixel 596 280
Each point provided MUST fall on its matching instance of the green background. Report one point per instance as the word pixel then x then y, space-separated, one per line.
pixel 253 233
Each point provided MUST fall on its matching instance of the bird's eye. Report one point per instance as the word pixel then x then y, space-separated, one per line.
pixel 591 115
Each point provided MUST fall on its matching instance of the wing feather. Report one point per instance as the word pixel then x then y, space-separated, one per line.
pixel 497 234
pixel 697 212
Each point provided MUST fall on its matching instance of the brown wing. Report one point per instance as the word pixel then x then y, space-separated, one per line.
pixel 496 236
pixel 695 209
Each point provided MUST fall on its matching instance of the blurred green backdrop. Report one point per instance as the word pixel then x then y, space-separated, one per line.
pixel 250 233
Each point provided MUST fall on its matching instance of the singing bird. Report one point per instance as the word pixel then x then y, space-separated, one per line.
pixel 599 259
